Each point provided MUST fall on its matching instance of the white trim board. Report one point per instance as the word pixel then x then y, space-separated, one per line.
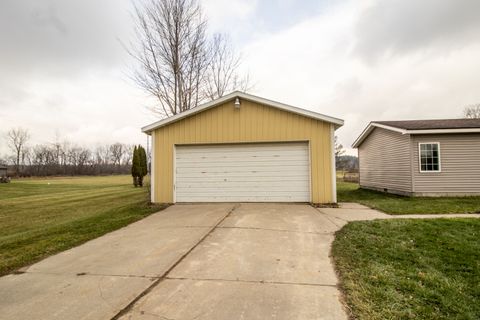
pixel 238 94
pixel 373 125
pixel 152 170
pixel 334 169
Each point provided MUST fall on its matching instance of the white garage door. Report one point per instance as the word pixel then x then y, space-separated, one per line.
pixel 273 172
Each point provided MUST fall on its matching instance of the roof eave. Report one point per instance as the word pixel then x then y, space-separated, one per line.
pixel 442 131
pixel 310 114
pixel 372 126
pixel 369 129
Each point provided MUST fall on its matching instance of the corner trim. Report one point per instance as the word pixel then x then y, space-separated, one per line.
pixel 334 169
pixel 174 163
pixel 152 170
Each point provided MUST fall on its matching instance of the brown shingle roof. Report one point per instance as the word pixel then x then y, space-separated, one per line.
pixel 432 124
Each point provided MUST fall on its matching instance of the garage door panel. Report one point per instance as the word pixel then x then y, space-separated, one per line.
pixel 242 178
pixel 234 184
pixel 259 195
pixel 235 171
pixel 242 172
pixel 198 175
pixel 241 198
pixel 233 160
pixel 243 188
pixel 244 164
pixel 251 148
pixel 241 154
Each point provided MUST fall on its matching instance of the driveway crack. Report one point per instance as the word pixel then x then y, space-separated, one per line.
pixel 82 274
pixel 278 230
pixel 329 218
pixel 128 307
pixel 255 281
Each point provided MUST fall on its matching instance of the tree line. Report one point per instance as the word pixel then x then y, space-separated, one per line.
pixel 64 157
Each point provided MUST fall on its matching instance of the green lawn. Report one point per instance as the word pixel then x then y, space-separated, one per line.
pixel 410 269
pixel 393 204
pixel 40 217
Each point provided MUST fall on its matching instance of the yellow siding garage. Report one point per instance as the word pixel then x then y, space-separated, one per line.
pixel 256 120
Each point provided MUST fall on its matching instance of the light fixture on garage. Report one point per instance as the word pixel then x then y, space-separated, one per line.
pixel 237 103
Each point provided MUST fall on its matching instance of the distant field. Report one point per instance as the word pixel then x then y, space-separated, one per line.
pixel 40 217
pixel 393 204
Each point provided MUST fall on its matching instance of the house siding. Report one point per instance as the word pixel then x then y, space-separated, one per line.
pixel 385 162
pixel 252 122
pixel 460 165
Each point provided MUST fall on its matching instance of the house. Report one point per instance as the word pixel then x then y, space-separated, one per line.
pixel 3 171
pixel 243 148
pixel 421 157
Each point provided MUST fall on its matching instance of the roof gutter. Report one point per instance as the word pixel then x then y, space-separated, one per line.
pixel 440 131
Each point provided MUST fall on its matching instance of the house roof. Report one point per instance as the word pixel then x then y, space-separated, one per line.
pixel 433 124
pixel 241 95
pixel 440 126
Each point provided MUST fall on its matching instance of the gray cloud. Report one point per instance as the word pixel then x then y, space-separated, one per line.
pixel 63 69
pixel 61 37
pixel 49 17
pixel 389 28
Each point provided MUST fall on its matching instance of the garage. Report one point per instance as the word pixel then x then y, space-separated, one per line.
pixel 243 148
pixel 261 172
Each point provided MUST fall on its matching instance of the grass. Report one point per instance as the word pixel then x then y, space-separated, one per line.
pixel 393 204
pixel 410 269
pixel 40 217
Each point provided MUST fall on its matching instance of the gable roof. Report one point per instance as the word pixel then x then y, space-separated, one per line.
pixel 237 94
pixel 421 127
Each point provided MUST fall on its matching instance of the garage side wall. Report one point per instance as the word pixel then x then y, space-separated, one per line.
pixel 253 122
pixel 385 162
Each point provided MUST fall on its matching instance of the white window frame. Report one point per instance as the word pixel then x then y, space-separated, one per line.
pixel 420 158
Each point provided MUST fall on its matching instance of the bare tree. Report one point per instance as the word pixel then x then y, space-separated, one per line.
pixel 223 76
pixel 472 111
pixel 178 64
pixel 171 52
pixel 17 139
pixel 339 150
pixel 128 155
pixel 102 154
pixel 339 154
pixel 117 150
pixel 58 149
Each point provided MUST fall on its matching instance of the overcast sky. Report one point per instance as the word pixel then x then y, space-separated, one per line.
pixel 63 72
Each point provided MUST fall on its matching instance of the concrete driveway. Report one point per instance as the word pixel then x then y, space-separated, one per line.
pixel 212 261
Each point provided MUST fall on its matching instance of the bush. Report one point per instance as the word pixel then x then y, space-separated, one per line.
pixel 139 165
